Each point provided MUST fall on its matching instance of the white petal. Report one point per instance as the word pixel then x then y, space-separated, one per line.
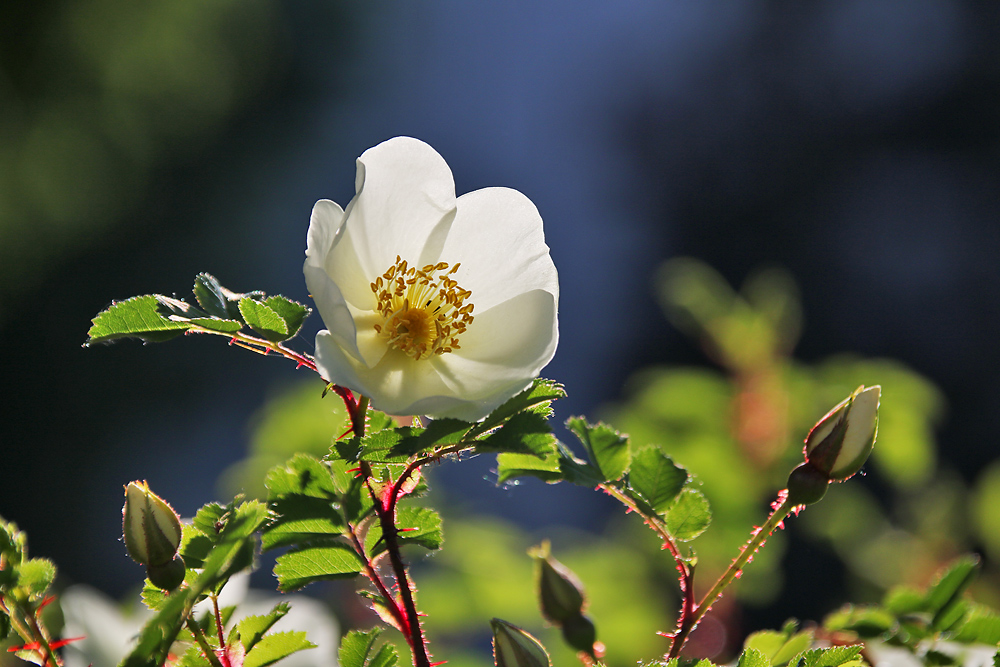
pixel 507 344
pixel 405 198
pixel 497 236
pixel 394 385
pixel 325 231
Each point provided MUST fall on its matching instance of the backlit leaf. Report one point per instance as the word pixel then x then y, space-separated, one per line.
pixel 688 515
pixel 302 567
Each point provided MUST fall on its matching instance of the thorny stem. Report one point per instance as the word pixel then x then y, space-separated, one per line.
pixel 386 511
pixel 689 621
pixel 223 656
pixel 373 575
pixel 259 345
pixel 684 567
pixel 203 644
pixel 31 631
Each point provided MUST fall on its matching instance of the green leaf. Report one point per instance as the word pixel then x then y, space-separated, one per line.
pixel 417 525
pixel 292 312
pixel 302 475
pixel 656 478
pixel 536 397
pixel 262 319
pixel 831 657
pixel 211 296
pixel 607 449
pixel 252 628
pixel 779 647
pixel 982 626
pixel 944 597
pixel 752 657
pixel 510 466
pixel 34 576
pixel 301 519
pixel 193 657
pixel 272 648
pixel 524 433
pixel 138 317
pixel 397 445
pixel 904 600
pixel 302 567
pixel 209 519
pixel 357 649
pixel 215 324
pixel 867 621
pixel 688 515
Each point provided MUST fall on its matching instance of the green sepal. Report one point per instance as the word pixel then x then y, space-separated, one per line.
pixel 301 567
pixel 357 649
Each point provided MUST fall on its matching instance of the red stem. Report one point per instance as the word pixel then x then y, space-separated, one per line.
pixel 373 575
pixel 386 512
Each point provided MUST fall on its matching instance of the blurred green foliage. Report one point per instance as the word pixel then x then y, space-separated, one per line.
pixel 739 430
pixel 96 96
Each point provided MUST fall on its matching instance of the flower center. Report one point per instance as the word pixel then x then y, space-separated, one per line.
pixel 423 310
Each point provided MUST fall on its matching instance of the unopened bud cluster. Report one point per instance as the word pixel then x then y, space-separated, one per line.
pixel 837 446
pixel 562 600
pixel 152 532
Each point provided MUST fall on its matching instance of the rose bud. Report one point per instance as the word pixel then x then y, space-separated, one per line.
pixel 837 446
pixel 151 527
pixel 513 647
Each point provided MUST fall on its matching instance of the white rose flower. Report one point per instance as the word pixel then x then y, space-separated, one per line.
pixel 434 305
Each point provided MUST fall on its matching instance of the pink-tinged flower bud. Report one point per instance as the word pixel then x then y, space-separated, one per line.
pixel 559 591
pixel 513 647
pixel 151 527
pixel 837 446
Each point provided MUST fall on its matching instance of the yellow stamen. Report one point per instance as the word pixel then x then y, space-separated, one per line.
pixel 423 310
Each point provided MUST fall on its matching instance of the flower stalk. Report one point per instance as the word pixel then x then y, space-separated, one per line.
pixel 692 615
pixel 385 510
